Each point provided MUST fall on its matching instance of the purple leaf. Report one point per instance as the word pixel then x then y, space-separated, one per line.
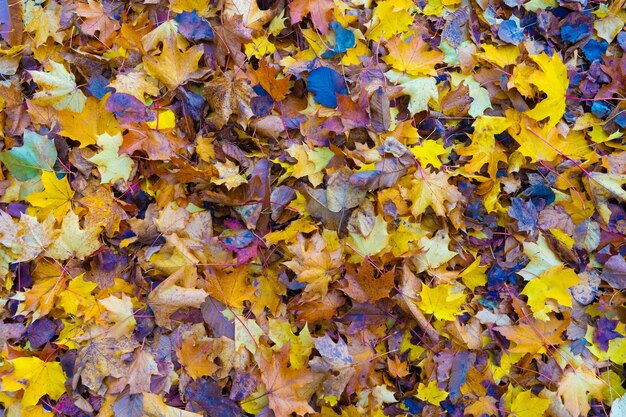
pixel 40 332
pixel 206 395
pixel 614 272
pixel 129 406
pixel 605 332
pixel 126 108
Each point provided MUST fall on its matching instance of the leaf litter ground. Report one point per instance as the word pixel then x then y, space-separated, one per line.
pixel 328 208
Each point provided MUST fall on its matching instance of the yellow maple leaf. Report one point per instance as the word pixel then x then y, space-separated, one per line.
pixel 154 406
pixel 310 162
pixel 391 17
pixel 404 234
pixel 58 89
pixel 553 283
pixel 104 209
pixel 428 152
pixel 173 67
pixel 431 393
pixel 74 241
pixel 56 198
pixel 526 404
pixel 259 47
pixel 169 296
pixel 413 57
pixel 228 174
pixel 484 406
pixel 484 149
pixel 111 165
pixel 78 294
pixel 441 301
pixel 247 331
pixel 534 337
pixel 231 289
pixel 474 275
pixel 87 125
pixel 179 6
pixel 374 242
pixel 541 258
pixel 268 294
pixel 428 189
pixel 33 238
pixel 300 346
pixel 354 55
pixel 97 21
pixel 500 55
pixel 540 143
pixel 13 407
pixel 44 21
pixel 562 237
pixel 119 312
pixel 252 16
pixel 194 357
pixel 576 387
pixel 314 263
pixel 421 90
pixel 289 234
pixel 551 78
pixel 434 251
pixel 166 119
pixel 604 187
pixel 285 385
pixel 37 378
pixel 49 281
pixel 136 84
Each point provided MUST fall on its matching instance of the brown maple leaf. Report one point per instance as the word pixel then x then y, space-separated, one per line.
pixel 320 10
pixel 104 209
pixel 288 390
pixel 266 75
pixel 363 286
pixel 97 21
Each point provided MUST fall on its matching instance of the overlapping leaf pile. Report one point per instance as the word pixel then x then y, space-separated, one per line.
pixel 327 208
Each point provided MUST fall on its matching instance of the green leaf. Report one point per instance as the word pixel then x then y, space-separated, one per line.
pixel 35 155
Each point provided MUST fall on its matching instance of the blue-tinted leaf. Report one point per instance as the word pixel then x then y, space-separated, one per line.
pixel 98 86
pixel 325 84
pixel 594 49
pixel 193 27
pixel 343 37
pixel 600 109
pixel 510 32
pixel 526 214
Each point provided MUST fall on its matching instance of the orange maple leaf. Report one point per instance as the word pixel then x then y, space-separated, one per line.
pixel 286 387
pixel 413 57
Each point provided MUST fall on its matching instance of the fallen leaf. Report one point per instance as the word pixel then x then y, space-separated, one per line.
pixel 413 57
pixel 37 378
pixel 576 387
pixel 56 198
pixel 37 154
pixel 431 393
pixel 111 165
pixel 72 241
pixel 441 302
pixel 85 126
pixel 58 88
pixel 285 385
pixel 169 297
pixel 173 67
